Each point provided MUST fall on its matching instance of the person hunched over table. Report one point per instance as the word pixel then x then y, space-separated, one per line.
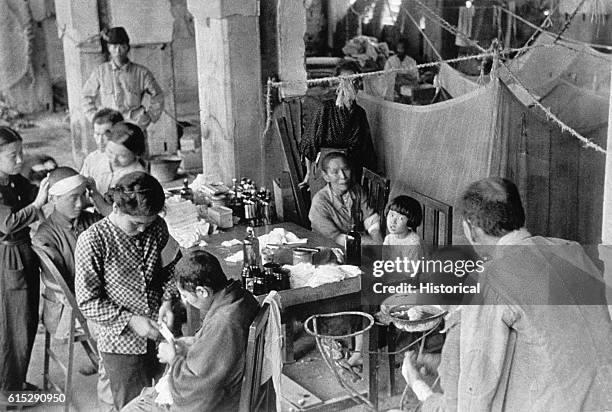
pixel 204 371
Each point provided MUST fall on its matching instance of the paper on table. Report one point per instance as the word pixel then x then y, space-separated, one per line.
pixel 280 236
pixel 230 243
pixel 306 274
pixel 235 257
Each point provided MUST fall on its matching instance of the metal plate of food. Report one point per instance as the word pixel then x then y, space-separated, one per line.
pixel 416 318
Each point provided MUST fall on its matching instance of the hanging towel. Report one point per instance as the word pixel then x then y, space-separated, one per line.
pixel 273 347
pixel 466 16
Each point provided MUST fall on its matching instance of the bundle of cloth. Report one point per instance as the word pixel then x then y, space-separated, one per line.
pixel 367 51
pixel 309 275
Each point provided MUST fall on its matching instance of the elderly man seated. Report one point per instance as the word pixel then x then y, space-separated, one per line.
pixel 342 203
pixel 540 340
pixel 205 371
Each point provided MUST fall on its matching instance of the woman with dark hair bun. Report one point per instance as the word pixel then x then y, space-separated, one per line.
pixel 124 281
pixel 20 206
pixel 125 147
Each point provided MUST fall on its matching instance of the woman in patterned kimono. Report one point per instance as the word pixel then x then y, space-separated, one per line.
pixel 19 270
pixel 124 281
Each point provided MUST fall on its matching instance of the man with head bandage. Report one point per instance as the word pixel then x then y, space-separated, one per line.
pixel 58 235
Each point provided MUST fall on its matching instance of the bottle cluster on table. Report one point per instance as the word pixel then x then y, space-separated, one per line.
pixel 255 279
pixel 254 206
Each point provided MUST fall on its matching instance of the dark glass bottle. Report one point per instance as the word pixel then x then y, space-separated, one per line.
pixel 235 202
pixel 250 248
pixel 247 278
pixel 270 276
pixel 186 192
pixel 352 247
pixel 259 281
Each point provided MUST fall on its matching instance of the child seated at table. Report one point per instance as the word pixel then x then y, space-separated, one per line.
pixel 404 216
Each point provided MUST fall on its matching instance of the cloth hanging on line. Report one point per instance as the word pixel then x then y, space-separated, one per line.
pixel 439 149
pixel 464 25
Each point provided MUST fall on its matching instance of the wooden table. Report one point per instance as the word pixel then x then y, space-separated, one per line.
pixel 299 303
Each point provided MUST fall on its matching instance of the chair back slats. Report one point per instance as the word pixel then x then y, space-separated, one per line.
pixel 437 226
pixel 50 269
pixel 254 391
pixel 377 188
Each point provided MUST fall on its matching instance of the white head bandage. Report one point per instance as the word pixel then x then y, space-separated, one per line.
pixel 67 185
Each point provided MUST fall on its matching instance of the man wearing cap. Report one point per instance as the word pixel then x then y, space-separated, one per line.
pixel 58 235
pixel 121 84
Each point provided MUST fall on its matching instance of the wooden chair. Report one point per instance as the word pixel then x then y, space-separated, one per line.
pixel 436 230
pixel 256 395
pixel 289 144
pixel 437 227
pixel 377 188
pixel 77 332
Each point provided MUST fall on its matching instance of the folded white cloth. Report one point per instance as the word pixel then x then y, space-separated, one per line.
pixel 280 236
pixel 230 243
pixel 273 362
pixel 235 257
pixel 164 396
pixel 307 275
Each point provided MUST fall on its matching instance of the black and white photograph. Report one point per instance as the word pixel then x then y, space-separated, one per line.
pixel 306 205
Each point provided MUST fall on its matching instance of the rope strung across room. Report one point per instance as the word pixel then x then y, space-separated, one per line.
pixel 541 30
pixel 333 79
pixel 449 27
pixel 551 116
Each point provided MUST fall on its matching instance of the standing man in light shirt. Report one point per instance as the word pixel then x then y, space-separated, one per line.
pixel 121 85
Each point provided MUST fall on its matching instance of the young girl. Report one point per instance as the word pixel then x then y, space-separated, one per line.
pixel 124 282
pixel 19 271
pixel 404 216
pixel 123 150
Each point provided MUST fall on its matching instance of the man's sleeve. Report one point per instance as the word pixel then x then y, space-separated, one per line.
pixel 487 344
pixel 90 294
pixel 43 239
pixel 212 362
pixel 90 93
pixel 156 107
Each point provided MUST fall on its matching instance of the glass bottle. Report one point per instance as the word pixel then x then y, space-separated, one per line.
pixel 247 278
pixel 352 246
pixel 186 192
pixel 250 248
pixel 270 211
pixel 259 281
